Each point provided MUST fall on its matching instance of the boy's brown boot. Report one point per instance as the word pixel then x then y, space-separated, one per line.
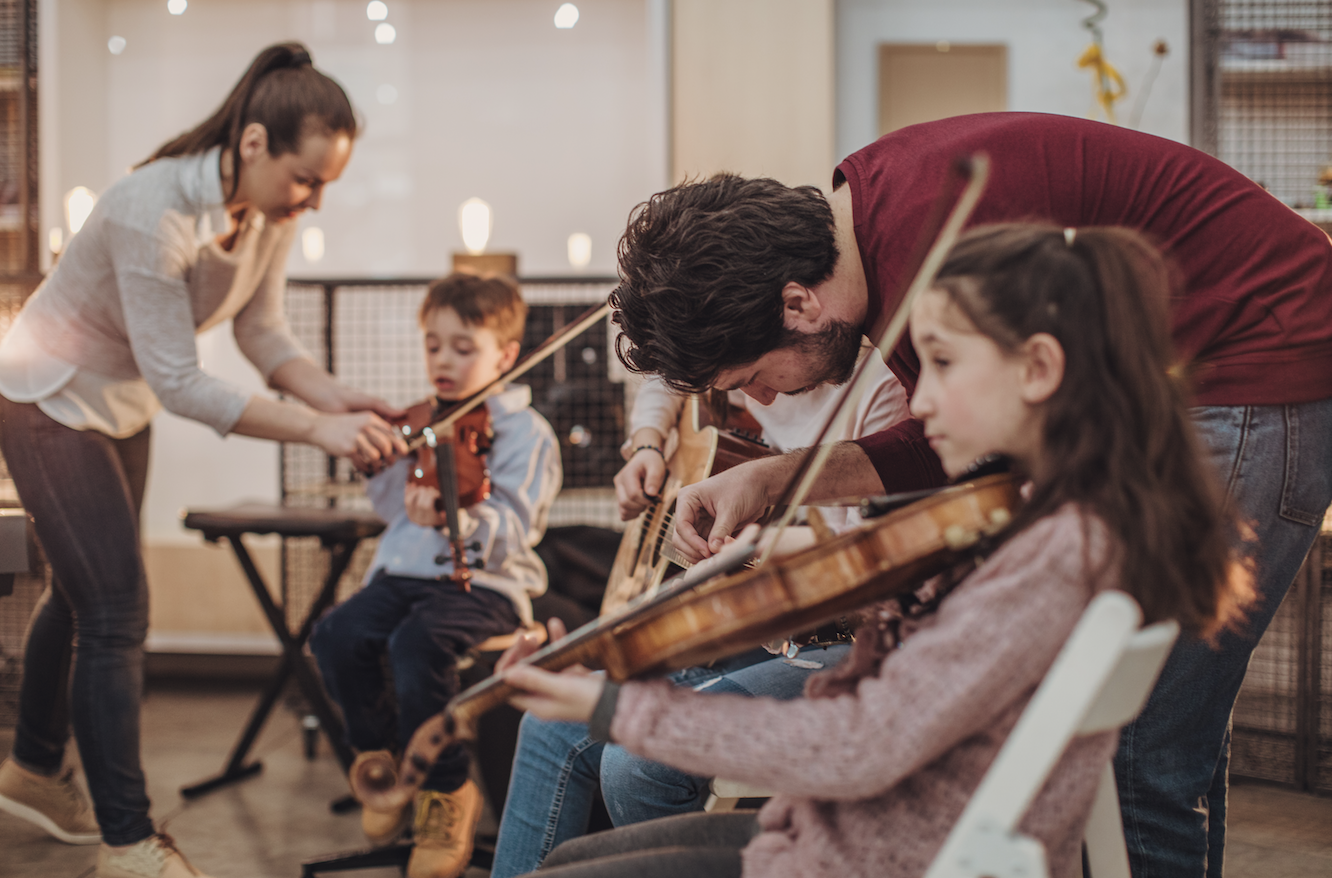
pixel 55 803
pixel 442 832
pixel 381 827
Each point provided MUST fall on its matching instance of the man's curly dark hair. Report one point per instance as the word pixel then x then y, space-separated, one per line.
pixel 703 266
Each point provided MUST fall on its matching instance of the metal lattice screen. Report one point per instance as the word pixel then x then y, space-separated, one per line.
pixel 368 336
pixel 1275 121
pixel 1273 80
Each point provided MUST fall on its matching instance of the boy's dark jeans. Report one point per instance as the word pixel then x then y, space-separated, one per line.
pixel 84 490
pixel 423 626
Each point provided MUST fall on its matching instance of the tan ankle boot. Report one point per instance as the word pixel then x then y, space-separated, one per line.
pixel 154 857
pixel 381 827
pixel 56 803
pixel 443 830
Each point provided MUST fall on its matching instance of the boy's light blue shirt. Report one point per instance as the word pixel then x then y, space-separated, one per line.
pixel 525 476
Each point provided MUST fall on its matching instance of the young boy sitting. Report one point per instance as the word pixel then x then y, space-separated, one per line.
pixel 410 608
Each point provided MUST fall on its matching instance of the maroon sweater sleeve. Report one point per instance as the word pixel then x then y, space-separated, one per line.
pixel 902 458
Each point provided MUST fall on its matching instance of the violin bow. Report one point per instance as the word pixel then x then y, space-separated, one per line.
pixel 975 171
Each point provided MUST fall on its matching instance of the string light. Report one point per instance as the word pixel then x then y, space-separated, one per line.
pixel 312 244
pixel 580 249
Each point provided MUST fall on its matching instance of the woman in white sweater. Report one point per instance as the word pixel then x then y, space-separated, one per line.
pixel 197 234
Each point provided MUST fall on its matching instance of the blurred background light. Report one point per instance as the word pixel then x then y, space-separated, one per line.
pixel 580 249
pixel 474 219
pixel 312 244
pixel 385 33
pixel 566 16
pixel 79 203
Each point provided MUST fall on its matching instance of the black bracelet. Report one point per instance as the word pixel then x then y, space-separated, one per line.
pixel 651 448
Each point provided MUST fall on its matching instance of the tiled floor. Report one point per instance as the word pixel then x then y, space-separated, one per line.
pixel 266 826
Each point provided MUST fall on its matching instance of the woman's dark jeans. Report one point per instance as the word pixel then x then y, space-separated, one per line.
pixel 84 491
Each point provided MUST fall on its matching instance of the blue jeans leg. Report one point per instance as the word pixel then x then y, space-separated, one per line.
pixel 83 490
pixel 638 789
pixel 1276 462
pixel 553 787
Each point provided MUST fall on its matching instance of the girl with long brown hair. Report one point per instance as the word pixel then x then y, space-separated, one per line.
pixel 197 234
pixel 1051 347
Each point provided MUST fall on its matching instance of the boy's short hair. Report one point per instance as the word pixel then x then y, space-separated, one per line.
pixel 491 300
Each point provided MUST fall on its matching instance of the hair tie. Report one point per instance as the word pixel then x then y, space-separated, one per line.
pixel 300 58
pixel 1069 234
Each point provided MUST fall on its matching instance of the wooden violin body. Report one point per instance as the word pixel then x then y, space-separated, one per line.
pixel 470 440
pixel 684 626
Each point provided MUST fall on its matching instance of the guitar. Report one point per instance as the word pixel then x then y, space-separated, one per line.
pixel 646 556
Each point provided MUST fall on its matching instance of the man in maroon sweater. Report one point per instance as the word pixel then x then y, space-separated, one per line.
pixel 748 284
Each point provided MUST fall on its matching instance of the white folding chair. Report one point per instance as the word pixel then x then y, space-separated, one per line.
pixel 1099 681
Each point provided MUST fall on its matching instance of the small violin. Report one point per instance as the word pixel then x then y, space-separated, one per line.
pixel 449 455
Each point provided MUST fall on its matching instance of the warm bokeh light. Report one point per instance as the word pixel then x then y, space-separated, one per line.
pixel 79 203
pixel 566 16
pixel 115 45
pixel 312 244
pixel 474 221
pixel 385 33
pixel 55 239
pixel 177 7
pixel 580 249
pixel 376 10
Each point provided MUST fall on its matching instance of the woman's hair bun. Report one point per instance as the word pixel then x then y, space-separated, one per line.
pixel 299 58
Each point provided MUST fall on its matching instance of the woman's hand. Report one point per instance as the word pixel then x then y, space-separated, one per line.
pixel 349 399
pixel 362 435
pixel 639 481
pixel 420 503
pixel 527 643
pixel 569 696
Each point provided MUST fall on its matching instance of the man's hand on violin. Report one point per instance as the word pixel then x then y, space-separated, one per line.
pixel 362 436
pixel 709 513
pixel 420 502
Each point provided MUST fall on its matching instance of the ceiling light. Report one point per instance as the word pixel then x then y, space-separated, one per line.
pixel 566 16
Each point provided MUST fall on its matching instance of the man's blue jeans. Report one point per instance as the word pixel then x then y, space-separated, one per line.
pixel 1276 462
pixel 557 767
pixel 83 490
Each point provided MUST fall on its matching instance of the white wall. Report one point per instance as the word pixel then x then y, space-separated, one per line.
pixel 1044 38
pixel 561 131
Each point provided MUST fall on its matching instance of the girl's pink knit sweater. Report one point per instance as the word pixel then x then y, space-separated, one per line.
pixel 871 783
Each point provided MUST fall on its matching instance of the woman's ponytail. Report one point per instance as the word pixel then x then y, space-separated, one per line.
pixel 282 91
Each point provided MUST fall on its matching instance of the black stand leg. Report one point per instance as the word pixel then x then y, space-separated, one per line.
pixel 294 663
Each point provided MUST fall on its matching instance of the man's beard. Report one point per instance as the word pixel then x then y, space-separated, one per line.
pixel 832 352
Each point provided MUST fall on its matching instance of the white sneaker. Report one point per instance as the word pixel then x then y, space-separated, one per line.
pixel 56 804
pixel 154 857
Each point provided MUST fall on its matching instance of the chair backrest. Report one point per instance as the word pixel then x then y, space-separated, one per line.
pixel 1099 681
